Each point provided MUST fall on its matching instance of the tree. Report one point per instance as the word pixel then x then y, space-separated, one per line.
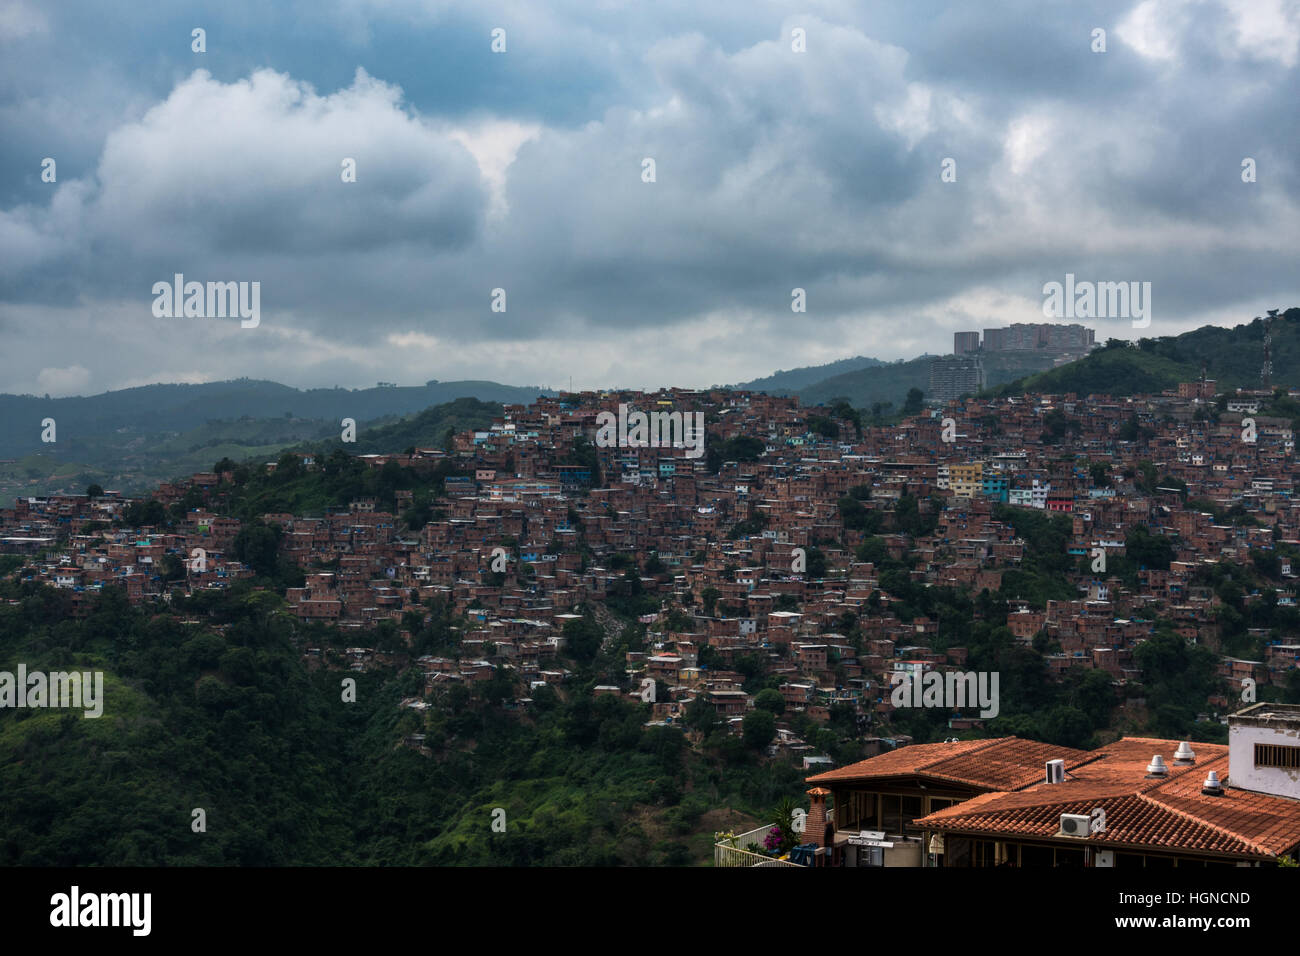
pixel 1066 726
pixel 1292 686
pixel 770 700
pixel 95 491
pixel 1132 430
pixel 1177 677
pixel 785 813
pixel 257 545
pixel 584 455
pixel 909 520
pixel 874 550
pixel 583 638
pixel 821 425
pixel 758 729
pixel 171 568
pixel 856 517
pixel 841 408
pixel 1147 549
pixel 140 514
pixel 742 448
pixel 1266 563
pixel 913 404
pixel 702 716
pixel 288 467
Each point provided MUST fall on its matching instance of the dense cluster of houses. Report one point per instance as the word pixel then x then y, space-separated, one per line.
pixel 541 519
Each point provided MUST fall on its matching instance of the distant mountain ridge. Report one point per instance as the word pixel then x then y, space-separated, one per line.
pixel 783 381
pixel 125 415
pixel 129 440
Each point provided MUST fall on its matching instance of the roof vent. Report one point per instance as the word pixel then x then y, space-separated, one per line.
pixel 1184 755
pixel 1212 787
pixel 1157 767
pixel 1056 771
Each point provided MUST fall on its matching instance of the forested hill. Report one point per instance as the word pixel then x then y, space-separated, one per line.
pixel 1232 357
pixel 128 414
pixel 129 461
pixel 212 706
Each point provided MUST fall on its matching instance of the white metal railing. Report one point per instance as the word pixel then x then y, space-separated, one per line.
pixel 729 856
pixel 757 835
pixel 732 852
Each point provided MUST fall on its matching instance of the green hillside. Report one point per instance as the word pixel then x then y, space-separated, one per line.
pixel 342 476
pixel 99 429
pixel 890 383
pixel 426 429
pixel 211 706
pixel 1232 357
pixel 137 465
pixel 783 381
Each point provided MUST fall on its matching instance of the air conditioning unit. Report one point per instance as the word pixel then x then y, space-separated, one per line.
pixel 1075 824
pixel 1056 771
pixel 1104 858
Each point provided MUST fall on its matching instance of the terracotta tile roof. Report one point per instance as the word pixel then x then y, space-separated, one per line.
pixel 1166 813
pixel 1003 763
pixel 904 760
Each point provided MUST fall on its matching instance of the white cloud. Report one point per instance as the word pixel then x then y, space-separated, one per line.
pixel 63 381
pixel 1267 29
pixel 1027 138
pixel 1153 27
pixel 220 174
pixel 1259 29
pixel 494 145
pixel 775 170
pixel 19 19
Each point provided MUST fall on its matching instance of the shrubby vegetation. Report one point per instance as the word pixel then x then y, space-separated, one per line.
pixel 224 715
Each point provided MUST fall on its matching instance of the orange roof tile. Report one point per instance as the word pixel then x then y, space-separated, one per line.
pixel 1003 763
pixel 1167 813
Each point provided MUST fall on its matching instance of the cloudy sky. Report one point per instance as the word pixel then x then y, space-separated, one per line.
pixel 523 170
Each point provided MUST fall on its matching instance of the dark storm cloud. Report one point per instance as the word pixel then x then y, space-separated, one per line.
pixel 523 171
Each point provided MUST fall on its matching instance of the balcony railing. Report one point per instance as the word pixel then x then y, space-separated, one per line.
pixel 733 853
pixel 725 855
pixel 757 835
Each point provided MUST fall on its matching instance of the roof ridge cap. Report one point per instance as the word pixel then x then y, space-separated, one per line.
pixel 984 745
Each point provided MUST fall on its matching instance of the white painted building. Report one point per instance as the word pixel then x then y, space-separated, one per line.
pixel 1264 749
pixel 1035 496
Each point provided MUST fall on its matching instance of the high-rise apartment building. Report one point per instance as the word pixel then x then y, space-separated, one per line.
pixel 1051 336
pixel 955 376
